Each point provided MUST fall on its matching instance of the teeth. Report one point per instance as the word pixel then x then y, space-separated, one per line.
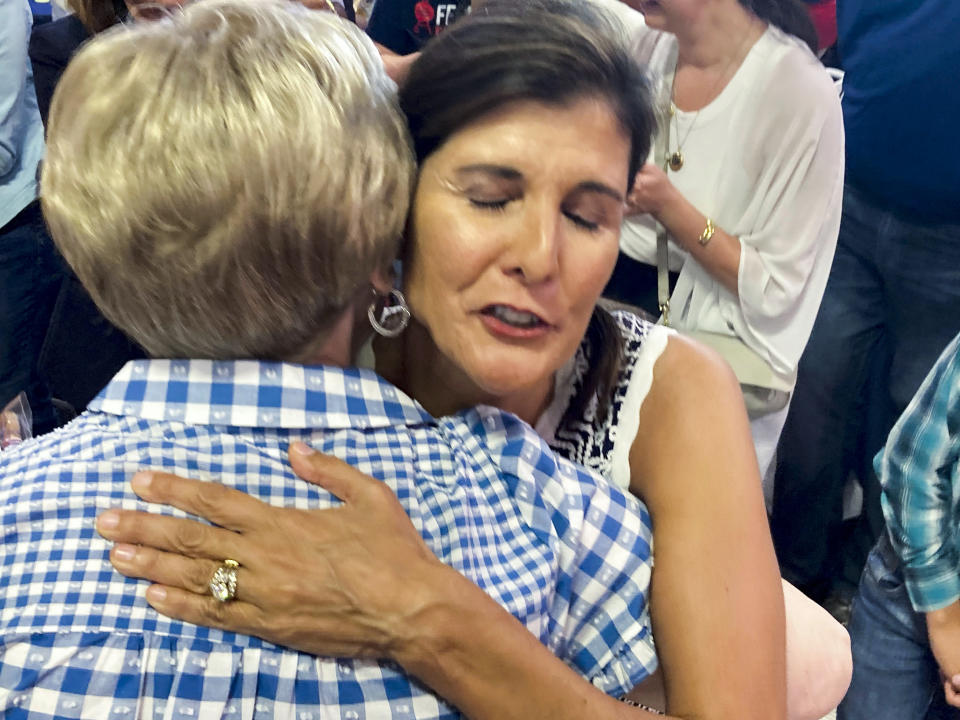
pixel 514 317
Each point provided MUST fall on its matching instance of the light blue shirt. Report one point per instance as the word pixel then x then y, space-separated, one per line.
pixel 21 131
pixel 563 551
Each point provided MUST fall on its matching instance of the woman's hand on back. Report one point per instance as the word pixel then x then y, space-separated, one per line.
pixel 345 581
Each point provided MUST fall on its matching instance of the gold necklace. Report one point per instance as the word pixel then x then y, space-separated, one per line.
pixel 675 159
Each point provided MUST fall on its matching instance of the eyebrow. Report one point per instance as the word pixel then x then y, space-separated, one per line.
pixel 598 187
pixel 509 173
pixel 500 171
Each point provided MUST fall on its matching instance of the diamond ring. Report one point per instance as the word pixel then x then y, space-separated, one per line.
pixel 223 584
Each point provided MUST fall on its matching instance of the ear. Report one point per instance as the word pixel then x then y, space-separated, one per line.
pixel 382 280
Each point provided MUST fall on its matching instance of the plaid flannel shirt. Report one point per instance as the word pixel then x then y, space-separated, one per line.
pixel 564 552
pixel 919 471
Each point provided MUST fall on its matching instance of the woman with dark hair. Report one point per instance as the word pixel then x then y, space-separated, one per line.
pixel 530 122
pixel 741 199
pixel 53 44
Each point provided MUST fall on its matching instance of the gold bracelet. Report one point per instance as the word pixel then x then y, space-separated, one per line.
pixel 707 234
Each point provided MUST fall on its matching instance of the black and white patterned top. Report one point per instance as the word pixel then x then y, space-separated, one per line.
pixel 604 445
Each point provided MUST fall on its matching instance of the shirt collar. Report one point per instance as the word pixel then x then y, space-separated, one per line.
pixel 250 393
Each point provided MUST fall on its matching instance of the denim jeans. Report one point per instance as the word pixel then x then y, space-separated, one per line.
pixel 895 675
pixel 30 277
pixel 892 303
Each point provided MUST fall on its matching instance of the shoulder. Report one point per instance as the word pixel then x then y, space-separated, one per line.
pixel 693 416
pixel 934 411
pixel 57 41
pixel 694 392
pixel 791 78
pixel 688 371
pixel 788 100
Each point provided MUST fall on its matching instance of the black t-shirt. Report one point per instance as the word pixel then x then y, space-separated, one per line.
pixel 405 25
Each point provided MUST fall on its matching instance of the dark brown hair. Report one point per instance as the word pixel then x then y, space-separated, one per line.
pixel 551 51
pixel 791 16
pixel 98 15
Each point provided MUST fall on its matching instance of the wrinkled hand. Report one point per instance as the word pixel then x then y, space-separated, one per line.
pixel 344 581
pixel 652 191
pixel 943 628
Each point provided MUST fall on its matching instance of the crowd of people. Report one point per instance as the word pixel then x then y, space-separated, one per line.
pixel 496 361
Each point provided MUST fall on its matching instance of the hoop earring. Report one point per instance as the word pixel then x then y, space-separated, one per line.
pixel 389 314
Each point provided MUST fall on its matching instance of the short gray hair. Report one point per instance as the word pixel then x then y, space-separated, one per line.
pixel 225 182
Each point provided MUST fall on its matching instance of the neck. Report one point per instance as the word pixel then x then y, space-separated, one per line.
pixel 335 347
pixel 416 365
pixel 719 37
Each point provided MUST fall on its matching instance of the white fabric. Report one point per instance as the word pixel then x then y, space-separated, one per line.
pixel 636 374
pixel 640 383
pixel 765 161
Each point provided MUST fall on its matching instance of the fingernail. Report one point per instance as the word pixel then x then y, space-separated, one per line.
pixel 108 520
pixel 126 553
pixel 155 593
pixel 302 449
pixel 955 680
pixel 141 481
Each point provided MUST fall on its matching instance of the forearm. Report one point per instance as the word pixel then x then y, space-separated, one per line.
pixel 481 659
pixel 729 597
pixel 685 224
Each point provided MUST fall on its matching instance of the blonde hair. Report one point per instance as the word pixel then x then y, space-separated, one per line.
pixel 225 182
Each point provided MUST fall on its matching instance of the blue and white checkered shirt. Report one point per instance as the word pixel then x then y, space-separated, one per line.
pixel 564 552
pixel 919 470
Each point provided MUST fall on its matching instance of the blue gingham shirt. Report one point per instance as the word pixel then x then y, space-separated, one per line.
pixel 919 471
pixel 564 552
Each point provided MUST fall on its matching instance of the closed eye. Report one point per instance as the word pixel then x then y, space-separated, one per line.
pixel 581 222
pixel 490 204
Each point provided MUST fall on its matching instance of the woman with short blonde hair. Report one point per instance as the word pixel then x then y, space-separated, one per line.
pixel 200 211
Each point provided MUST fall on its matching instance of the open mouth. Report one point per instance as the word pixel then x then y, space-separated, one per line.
pixel 520 319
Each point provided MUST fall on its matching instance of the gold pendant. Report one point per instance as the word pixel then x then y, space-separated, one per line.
pixel 676 160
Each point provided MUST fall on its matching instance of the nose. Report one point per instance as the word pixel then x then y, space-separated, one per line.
pixel 534 254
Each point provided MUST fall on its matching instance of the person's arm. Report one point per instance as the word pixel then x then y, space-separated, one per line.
pixel 356 581
pixel 917 469
pixel 13 78
pixel 717 603
pixel 719 253
pixel 787 186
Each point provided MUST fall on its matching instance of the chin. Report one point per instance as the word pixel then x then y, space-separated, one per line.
pixel 501 374
pixel 512 374
pixel 506 382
